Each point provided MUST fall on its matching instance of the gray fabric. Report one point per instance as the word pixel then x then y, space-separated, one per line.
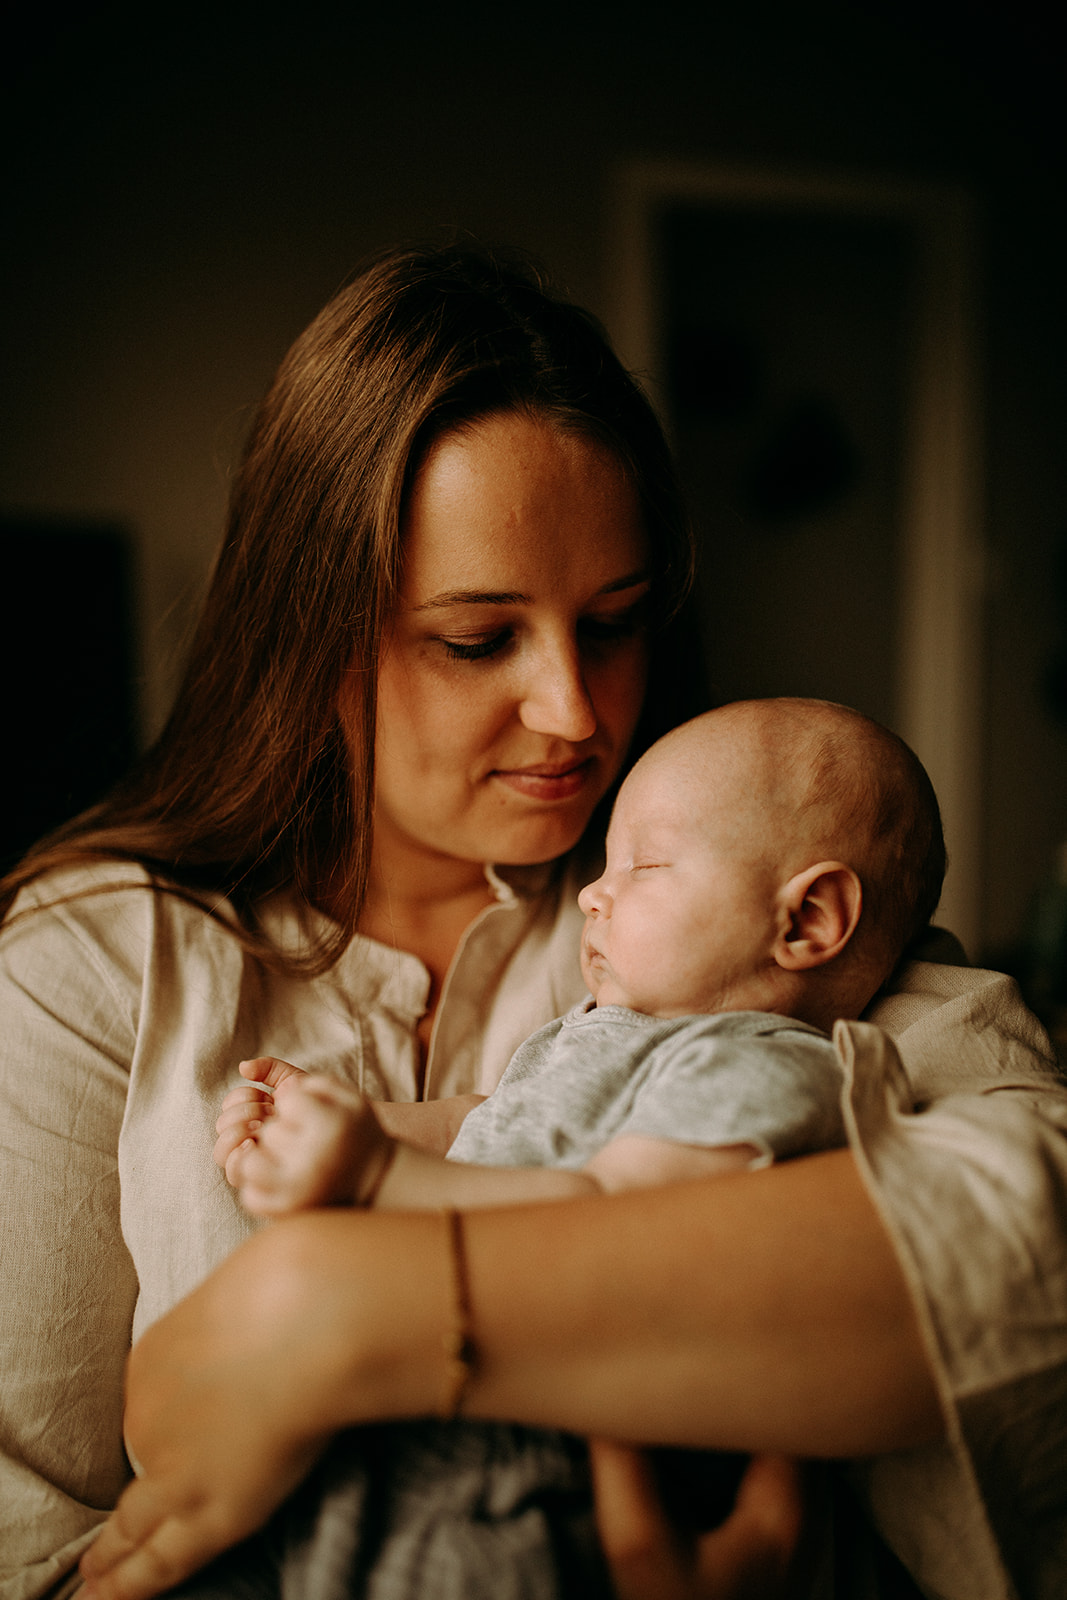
pixel 484 1511
pixel 742 1077
pixel 471 1510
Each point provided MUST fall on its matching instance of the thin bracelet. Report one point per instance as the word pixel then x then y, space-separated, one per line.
pixel 458 1340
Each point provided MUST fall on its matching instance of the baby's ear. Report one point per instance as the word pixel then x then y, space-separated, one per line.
pixel 822 906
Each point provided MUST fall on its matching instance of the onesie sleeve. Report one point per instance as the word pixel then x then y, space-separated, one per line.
pixel 741 1078
pixel 67 1030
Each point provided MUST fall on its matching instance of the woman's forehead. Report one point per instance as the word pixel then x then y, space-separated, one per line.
pixel 496 503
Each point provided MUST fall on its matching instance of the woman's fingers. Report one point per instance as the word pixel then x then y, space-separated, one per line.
pixel 642 1548
pixel 246 1109
pixel 771 1498
pixel 231 1160
pixel 750 1556
pixel 243 1096
pixel 148 1546
pixel 243 1115
pixel 268 1070
pixel 236 1125
pixel 228 1143
pixel 305 1144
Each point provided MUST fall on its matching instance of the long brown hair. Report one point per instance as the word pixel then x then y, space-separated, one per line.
pixel 252 787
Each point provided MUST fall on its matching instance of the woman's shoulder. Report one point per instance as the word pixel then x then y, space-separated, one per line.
pixel 81 895
pixel 960 1028
pixel 108 913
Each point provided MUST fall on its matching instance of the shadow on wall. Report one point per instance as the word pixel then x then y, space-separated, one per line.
pixel 1039 959
pixel 69 718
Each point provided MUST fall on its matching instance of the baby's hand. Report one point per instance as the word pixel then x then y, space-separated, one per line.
pixel 246 1108
pixel 318 1144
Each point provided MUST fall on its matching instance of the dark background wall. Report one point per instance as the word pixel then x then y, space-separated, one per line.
pixel 183 191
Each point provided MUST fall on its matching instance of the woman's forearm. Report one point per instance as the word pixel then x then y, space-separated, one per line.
pixel 763 1311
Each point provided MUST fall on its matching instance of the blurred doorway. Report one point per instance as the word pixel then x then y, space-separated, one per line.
pixel 809 341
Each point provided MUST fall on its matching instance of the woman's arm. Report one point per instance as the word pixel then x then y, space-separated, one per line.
pixel 796 1335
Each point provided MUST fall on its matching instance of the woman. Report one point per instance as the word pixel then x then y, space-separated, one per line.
pixel 453 551
pixel 476 699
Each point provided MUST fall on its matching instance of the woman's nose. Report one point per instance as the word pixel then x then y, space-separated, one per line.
pixel 557 700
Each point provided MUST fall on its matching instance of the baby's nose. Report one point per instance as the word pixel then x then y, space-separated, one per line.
pixel 589 899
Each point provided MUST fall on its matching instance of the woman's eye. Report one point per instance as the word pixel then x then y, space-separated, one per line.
pixel 595 630
pixel 477 649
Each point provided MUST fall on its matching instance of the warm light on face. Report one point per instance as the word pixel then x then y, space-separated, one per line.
pixel 514 667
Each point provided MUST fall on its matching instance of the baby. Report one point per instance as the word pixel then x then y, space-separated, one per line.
pixel 767 864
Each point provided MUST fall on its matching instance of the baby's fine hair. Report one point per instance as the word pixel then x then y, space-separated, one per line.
pixel 880 791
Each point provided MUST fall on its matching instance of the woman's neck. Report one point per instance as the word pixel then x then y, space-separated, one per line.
pixel 425 909
pixel 421 921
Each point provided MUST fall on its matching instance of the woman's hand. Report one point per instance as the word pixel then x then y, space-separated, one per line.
pixel 321 1321
pixel 751 1556
pixel 220 1412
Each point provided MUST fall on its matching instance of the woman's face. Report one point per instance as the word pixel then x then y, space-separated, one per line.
pixel 514 668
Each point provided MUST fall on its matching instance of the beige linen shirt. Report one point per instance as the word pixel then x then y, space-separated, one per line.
pixel 123 1015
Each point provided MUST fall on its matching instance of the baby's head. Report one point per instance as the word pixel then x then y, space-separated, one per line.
pixel 773 855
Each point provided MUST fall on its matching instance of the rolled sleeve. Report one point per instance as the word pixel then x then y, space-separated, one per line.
pixel 973 1192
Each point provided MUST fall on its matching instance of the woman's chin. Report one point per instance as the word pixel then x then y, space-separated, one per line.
pixel 539 847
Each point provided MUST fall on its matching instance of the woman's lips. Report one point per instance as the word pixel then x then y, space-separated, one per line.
pixel 547 782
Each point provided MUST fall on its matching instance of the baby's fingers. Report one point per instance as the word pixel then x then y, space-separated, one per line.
pixel 264 1186
pixel 333 1092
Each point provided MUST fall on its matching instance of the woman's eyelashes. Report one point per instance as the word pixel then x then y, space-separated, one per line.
pixel 477 649
pixel 593 630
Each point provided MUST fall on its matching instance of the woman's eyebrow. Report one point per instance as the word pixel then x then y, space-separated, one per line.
pixel 632 580
pixel 510 597
pixel 473 597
